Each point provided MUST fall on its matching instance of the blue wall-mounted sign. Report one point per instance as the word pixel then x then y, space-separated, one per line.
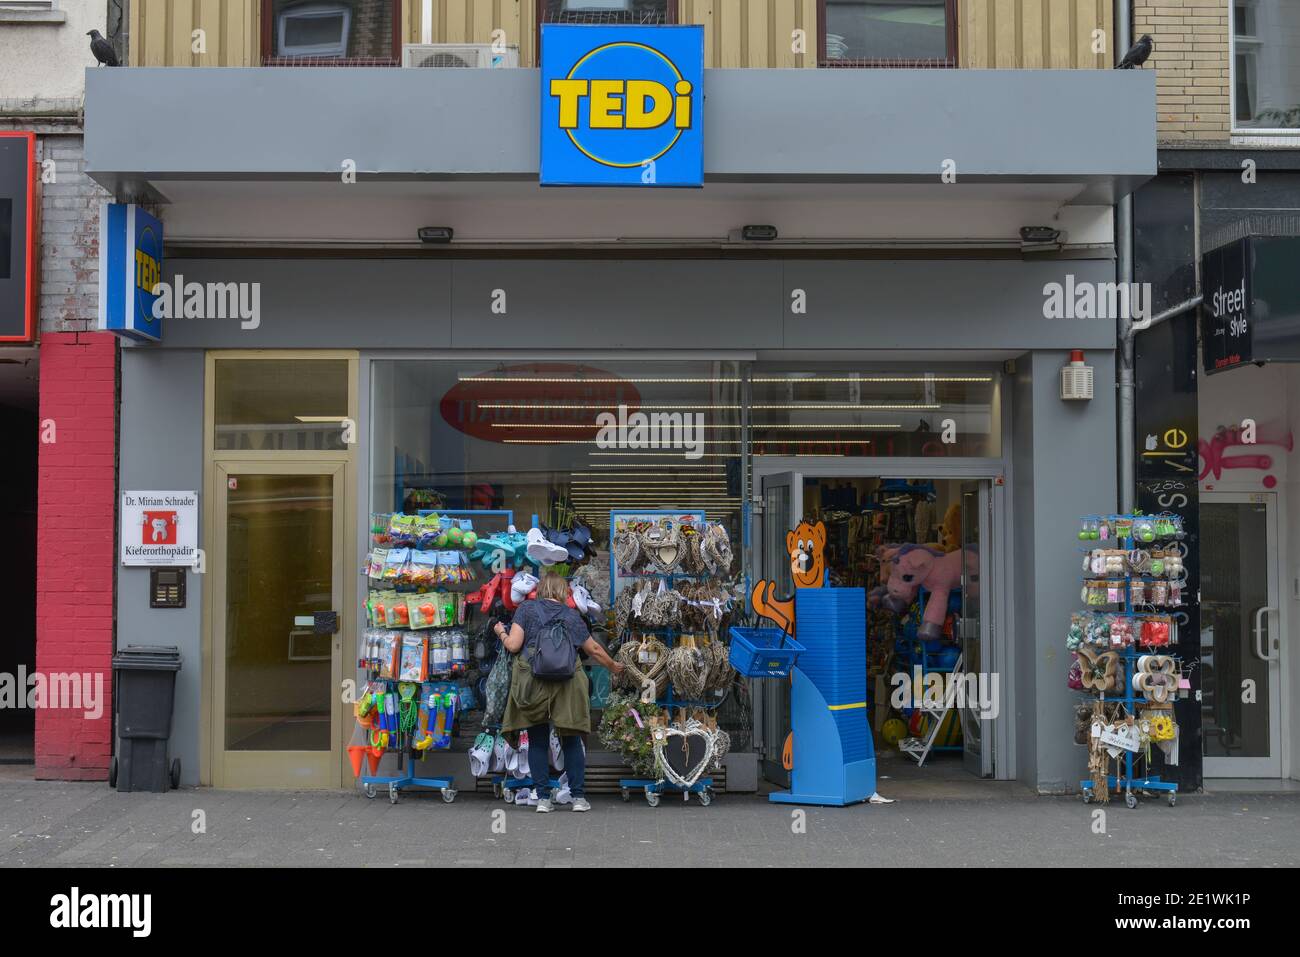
pixel 130 267
pixel 622 105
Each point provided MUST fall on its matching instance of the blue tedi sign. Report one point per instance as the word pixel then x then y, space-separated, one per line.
pixel 130 269
pixel 622 105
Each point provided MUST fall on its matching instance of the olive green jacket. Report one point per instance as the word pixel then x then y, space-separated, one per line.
pixel 565 704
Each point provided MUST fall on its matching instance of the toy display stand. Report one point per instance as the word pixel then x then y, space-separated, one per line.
pixel 654 788
pixel 1127 782
pixel 407 775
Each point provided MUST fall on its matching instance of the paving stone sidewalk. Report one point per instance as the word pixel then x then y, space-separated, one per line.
pixel 89 825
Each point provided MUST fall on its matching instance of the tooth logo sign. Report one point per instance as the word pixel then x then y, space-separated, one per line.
pixel 622 106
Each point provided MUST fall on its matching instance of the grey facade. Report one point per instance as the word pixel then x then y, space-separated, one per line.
pixel 1088 135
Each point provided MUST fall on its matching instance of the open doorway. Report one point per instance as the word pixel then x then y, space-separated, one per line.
pixel 19 434
pixel 918 550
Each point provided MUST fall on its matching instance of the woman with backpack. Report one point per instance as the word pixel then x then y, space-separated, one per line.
pixel 547 685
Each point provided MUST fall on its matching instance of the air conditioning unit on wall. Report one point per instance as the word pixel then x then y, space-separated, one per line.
pixel 480 55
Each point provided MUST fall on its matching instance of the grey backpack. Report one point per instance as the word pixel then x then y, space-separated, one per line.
pixel 552 656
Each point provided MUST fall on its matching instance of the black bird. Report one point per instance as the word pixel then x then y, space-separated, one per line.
pixel 1138 55
pixel 102 49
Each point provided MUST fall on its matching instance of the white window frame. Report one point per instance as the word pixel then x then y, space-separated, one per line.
pixel 1250 135
pixel 315 10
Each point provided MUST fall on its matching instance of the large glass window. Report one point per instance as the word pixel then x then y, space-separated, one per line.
pixel 885 412
pixel 888 33
pixel 1266 65
pixel 280 405
pixel 557 439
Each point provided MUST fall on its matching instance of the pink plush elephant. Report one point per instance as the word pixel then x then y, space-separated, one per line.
pixel 916 566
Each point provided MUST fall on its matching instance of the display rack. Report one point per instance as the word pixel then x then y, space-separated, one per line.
pixel 1128 782
pixel 654 788
pixel 437 697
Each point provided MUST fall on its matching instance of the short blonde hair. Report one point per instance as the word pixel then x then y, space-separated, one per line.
pixel 553 586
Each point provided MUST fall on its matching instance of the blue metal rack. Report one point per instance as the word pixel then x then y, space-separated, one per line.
pixel 1127 781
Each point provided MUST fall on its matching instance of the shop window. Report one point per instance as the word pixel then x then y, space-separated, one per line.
pixel 280 405
pixel 884 33
pixel 651 12
pixel 648 12
pixel 888 412
pixel 528 437
pixel 1266 65
pixel 331 32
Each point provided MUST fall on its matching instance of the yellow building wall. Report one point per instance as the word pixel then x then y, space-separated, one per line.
pixel 1034 34
pixel 1025 34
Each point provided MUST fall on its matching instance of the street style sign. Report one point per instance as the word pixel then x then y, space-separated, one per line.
pixel 130 268
pixel 1251 311
pixel 1226 332
pixel 19 236
pixel 622 105
pixel 159 528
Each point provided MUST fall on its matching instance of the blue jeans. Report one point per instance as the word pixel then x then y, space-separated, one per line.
pixel 539 760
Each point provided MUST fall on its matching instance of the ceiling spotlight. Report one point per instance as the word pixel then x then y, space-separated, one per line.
pixel 435 234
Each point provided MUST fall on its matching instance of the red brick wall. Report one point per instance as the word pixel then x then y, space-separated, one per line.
pixel 75 545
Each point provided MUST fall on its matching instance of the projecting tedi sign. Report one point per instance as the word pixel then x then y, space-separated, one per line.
pixel 159 528
pixel 130 269
pixel 622 105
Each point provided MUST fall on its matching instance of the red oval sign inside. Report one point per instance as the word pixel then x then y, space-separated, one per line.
pixel 547 400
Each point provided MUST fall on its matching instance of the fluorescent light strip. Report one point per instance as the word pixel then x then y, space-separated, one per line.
pixel 660 455
pixel 638 465
pixel 641 407
pixel 874 379
pixel 583 379
pixel 728 426
pixel 597 442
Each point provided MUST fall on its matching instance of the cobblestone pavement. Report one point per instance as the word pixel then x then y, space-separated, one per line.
pixel 63 824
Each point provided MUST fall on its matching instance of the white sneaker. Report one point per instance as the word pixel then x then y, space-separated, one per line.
pixel 581 804
pixel 544 806
pixel 541 550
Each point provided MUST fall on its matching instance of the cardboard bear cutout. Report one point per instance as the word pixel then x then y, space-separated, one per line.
pixel 806 546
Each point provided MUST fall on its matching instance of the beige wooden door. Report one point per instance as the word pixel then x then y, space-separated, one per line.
pixel 279 529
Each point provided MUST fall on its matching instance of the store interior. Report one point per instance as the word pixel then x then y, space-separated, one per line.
pixel 872 526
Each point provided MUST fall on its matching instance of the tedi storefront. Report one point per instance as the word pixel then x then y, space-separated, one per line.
pixel 373 349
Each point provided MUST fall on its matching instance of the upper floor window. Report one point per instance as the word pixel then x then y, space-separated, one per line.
pixel 607 11
pixel 1266 65
pixel 886 33
pixel 331 32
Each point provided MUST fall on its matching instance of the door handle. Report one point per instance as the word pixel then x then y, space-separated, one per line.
pixel 1260 649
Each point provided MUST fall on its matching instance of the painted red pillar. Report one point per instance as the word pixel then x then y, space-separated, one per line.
pixel 76 554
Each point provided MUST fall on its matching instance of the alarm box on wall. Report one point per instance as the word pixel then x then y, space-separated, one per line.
pixel 19 236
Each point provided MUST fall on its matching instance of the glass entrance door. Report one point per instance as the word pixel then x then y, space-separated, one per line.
pixel 280 527
pixel 1241 634
pixel 977 744
pixel 782 510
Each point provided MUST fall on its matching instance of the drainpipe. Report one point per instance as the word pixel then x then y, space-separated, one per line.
pixel 1124 266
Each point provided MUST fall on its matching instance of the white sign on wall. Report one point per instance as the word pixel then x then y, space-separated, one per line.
pixel 159 528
